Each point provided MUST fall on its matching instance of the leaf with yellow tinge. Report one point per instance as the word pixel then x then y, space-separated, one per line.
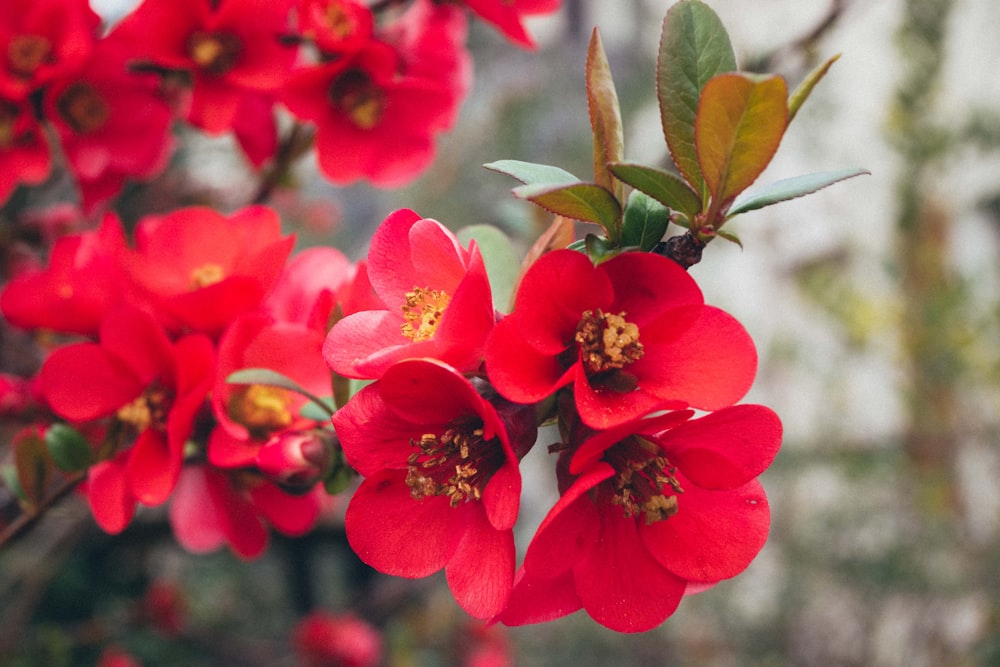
pixel 801 94
pixel 741 119
pixel 605 116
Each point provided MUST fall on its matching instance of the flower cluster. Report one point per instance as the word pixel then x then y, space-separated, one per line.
pixel 378 87
pixel 655 500
pixel 152 330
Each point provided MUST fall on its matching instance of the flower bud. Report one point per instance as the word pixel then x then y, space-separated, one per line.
pixel 296 458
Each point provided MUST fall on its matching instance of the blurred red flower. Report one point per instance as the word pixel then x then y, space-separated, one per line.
pixel 507 15
pixel 152 388
pixel 322 639
pixel 24 151
pixel 201 269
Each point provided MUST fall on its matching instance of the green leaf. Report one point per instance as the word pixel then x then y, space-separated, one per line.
pixel 645 221
pixel 599 249
pixel 802 92
pixel 661 185
pixel 34 468
pixel 530 173
pixel 605 116
pixel 312 410
pixel 272 378
pixel 694 47
pixel 70 451
pixel 502 262
pixel 790 188
pixel 580 201
pixel 9 474
pixel 740 122
pixel 729 236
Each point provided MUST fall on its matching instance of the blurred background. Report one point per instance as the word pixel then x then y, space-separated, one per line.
pixel 875 306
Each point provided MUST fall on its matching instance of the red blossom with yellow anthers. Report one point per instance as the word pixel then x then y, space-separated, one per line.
pixel 150 388
pixel 231 49
pixel 24 152
pixel 632 335
pixel 201 270
pixel 372 121
pixel 442 485
pixel 436 302
pixel 649 510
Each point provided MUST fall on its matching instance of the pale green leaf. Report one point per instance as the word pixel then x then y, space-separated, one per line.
pixel 790 188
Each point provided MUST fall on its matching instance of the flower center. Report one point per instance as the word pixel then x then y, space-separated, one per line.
pixel 607 342
pixel 25 53
pixel 83 108
pixel 642 474
pixel 149 410
pixel 457 463
pixel 215 52
pixel 205 275
pixel 422 311
pixel 8 124
pixel 261 409
pixel 359 98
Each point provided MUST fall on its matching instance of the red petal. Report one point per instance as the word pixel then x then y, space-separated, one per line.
pixel 371 437
pixel 193 516
pixel 502 496
pixel 107 492
pixel 353 340
pixel 538 600
pixel 621 586
pixel 725 449
pixel 606 408
pixel 243 529
pixel 152 470
pixel 714 535
pixel 83 382
pixel 568 529
pixel 519 371
pixel 710 364
pixel 137 339
pixel 398 535
pixel 425 391
pixel 481 571
pixel 289 514
pixel 647 285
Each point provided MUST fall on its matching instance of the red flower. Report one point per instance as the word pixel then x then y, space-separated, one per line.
pixel 151 387
pixel 312 284
pixel 508 14
pixel 648 508
pixel 83 281
pixel 24 153
pixel 250 415
pixel 322 639
pixel 336 27
pixel 372 121
pixel 436 302
pixel 113 124
pixel 41 40
pixel 201 269
pixel 229 47
pixel 632 334
pixel 441 485
pixel 212 507
pixel 429 38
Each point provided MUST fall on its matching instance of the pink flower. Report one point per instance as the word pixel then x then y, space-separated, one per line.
pixel 322 639
pixel 442 486
pixel 648 509
pixel 201 269
pixel 632 335
pixel 436 302
pixel 152 389
pixel 312 284
pixel 213 507
pixel 250 415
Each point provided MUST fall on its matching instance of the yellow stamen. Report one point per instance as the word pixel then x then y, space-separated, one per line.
pixel 607 342
pixel 26 53
pixel 261 409
pixel 422 311
pixel 83 108
pixel 205 275
pixel 360 98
